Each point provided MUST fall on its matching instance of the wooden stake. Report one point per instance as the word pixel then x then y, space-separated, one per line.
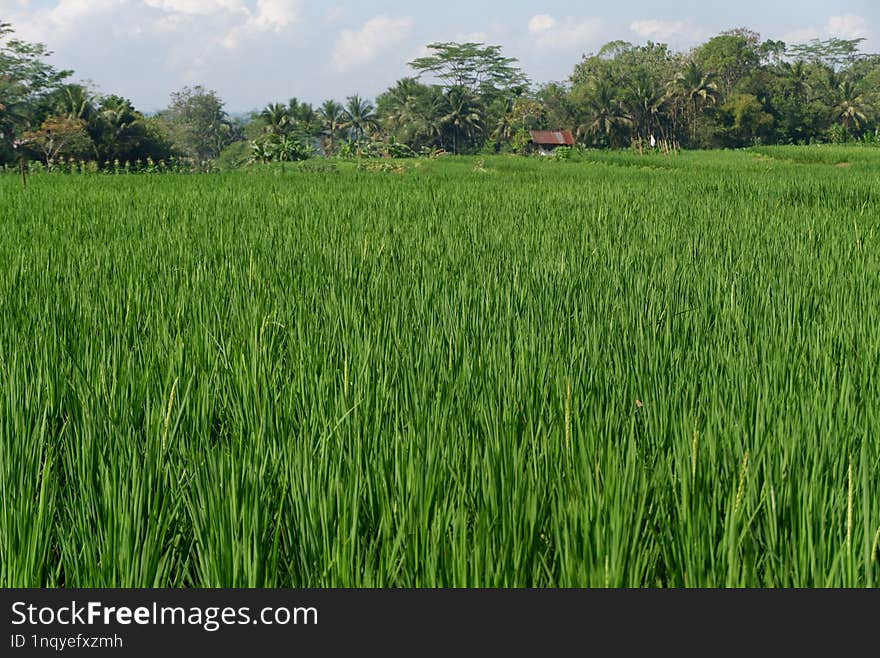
pixel 23 171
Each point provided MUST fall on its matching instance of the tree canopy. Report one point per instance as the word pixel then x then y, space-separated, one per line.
pixel 735 89
pixel 472 66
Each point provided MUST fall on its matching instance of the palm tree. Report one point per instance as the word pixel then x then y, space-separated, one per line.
pixel 699 87
pixel 798 78
pixel 413 112
pixel 506 128
pixel 830 82
pixel 851 110
pixel 332 117
pixel 75 102
pixel 277 118
pixel 360 117
pixel 117 117
pixel 427 112
pixel 605 113
pixel 462 115
pixel 399 105
pixel 303 118
pixel 646 99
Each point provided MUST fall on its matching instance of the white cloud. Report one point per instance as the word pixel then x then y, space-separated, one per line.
pixel 171 23
pixel 275 15
pixel 67 11
pixel 357 47
pixel 848 26
pixel 10 5
pixel 541 23
pixel 63 21
pixel 802 35
pixel 472 37
pixel 334 14
pixel 197 7
pixel 549 33
pixel 270 16
pixel 666 31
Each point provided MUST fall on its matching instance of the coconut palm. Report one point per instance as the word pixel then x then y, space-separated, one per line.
pixel 645 100
pixel 506 128
pixel 798 77
pixel 400 103
pixel 75 102
pixel 277 119
pixel 605 114
pixel 699 87
pixel 304 120
pixel 332 118
pixel 462 115
pixel 851 110
pixel 115 121
pixel 360 117
pixel 426 117
pixel 412 112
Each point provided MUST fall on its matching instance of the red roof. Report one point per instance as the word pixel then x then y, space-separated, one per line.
pixel 552 137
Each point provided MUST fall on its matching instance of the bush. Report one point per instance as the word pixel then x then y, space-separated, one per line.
pixel 279 148
pixel 563 153
pixel 234 156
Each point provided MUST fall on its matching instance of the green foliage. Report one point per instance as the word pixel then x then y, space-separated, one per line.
pixel 359 118
pixel 198 124
pixel 731 56
pixel 273 147
pixel 120 132
pixel 473 66
pixel 563 153
pixel 25 79
pixel 234 156
pixel 57 138
pixel 467 98
pixel 600 373
pixel 522 141
pixel 833 53
pixel 745 120
pixel 295 119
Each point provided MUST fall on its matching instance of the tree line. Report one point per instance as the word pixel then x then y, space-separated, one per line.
pixel 734 90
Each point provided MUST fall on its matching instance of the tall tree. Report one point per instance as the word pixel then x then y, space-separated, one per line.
pixel 462 116
pixel 304 119
pixel 700 88
pixel 360 117
pixel 730 57
pixel 25 79
pixel 276 118
pixel 851 110
pixel 473 66
pixel 834 53
pixel 332 118
pixel 200 126
pixel 412 113
pixel 58 136
pixel 605 115
pixel 645 99
pixel 557 104
pixel 75 101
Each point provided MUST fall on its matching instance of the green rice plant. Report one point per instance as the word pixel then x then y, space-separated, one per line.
pixel 618 370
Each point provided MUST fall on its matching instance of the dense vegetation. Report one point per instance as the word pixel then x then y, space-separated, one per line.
pixel 616 370
pixel 734 90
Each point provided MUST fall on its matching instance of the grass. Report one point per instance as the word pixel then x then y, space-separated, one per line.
pixel 623 371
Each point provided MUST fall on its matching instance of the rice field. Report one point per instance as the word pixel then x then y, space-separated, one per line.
pixel 621 371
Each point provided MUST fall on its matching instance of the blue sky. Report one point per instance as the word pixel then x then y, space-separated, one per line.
pixel 256 51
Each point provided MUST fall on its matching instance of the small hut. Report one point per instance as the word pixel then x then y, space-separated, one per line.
pixel 547 141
